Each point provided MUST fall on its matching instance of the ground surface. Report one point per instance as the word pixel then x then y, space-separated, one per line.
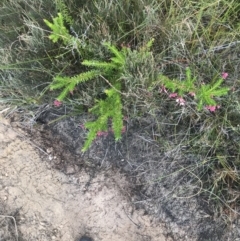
pixel 127 190
pixel 38 202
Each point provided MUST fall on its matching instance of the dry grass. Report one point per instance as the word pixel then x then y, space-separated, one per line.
pixel 203 35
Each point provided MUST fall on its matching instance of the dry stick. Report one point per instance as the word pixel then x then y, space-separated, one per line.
pixel 113 86
pixel 15 224
pixel 117 89
pixel 138 225
pixel 104 157
pixel 2 111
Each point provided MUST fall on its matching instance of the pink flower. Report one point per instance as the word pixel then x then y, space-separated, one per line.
pixel 102 133
pixel 172 95
pixel 123 129
pixel 82 126
pixel 224 75
pixel 163 89
pixel 212 108
pixel 57 103
pixel 180 101
pixel 192 94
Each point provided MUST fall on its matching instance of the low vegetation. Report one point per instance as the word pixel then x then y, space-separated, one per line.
pixel 174 61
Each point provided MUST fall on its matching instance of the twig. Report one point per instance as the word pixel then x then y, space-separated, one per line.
pixel 139 226
pixel 15 224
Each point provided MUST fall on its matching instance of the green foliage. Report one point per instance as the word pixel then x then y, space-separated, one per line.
pixel 147 48
pixel 204 34
pixel 105 66
pixel 204 94
pixel 182 86
pixel 120 56
pixel 63 9
pixel 69 83
pixel 111 107
pixel 59 31
pixel 108 69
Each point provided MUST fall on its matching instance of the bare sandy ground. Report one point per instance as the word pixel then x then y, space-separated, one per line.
pixel 55 206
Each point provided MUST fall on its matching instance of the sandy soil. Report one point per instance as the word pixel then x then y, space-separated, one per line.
pixel 55 206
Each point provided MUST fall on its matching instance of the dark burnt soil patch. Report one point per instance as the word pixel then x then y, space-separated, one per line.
pixel 163 183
